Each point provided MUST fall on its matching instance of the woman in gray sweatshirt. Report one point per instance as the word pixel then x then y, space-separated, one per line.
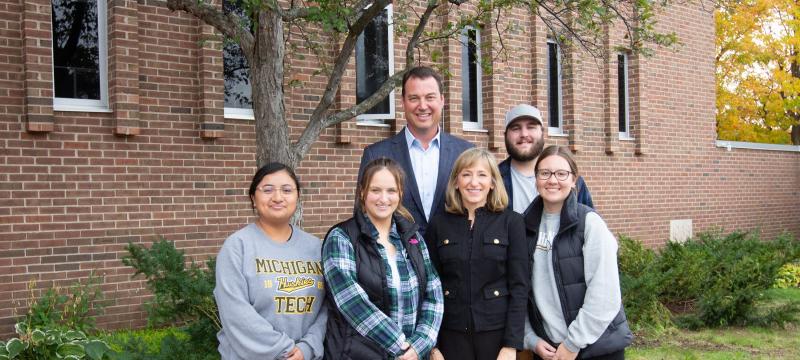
pixel 270 287
pixel 575 307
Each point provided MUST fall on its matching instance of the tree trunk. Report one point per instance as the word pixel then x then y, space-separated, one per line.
pixel 266 75
pixel 796 134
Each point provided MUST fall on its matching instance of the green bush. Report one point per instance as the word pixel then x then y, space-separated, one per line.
pixel 788 276
pixel 181 293
pixel 149 338
pixel 75 310
pixel 52 343
pixel 712 280
pixel 640 287
pixel 172 343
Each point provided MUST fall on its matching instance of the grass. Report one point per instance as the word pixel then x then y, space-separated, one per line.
pixel 726 343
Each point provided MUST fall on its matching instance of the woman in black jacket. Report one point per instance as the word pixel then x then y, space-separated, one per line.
pixel 478 247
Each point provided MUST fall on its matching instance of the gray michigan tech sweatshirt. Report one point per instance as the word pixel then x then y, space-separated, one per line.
pixel 270 296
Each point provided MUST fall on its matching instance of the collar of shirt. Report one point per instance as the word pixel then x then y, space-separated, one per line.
pixel 374 230
pixel 411 141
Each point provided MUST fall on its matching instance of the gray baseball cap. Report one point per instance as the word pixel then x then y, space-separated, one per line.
pixel 523 111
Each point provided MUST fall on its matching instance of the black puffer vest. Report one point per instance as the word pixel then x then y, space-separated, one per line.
pixel 342 341
pixel 569 276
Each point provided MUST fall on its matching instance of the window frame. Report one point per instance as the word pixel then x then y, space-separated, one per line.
pixel 551 130
pixel 623 85
pixel 88 105
pixel 379 119
pixel 464 39
pixel 234 112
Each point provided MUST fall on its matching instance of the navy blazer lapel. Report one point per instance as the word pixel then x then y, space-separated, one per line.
pixel 400 147
pixel 445 166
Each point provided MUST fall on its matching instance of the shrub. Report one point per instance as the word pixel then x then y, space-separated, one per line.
pixel 75 310
pixel 788 276
pixel 171 343
pixel 640 287
pixel 181 293
pixel 52 343
pixel 712 280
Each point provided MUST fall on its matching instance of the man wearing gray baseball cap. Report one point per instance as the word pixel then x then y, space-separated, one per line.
pixel 524 142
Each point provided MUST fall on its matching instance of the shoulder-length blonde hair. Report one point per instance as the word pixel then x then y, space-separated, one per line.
pixel 399 177
pixel 496 200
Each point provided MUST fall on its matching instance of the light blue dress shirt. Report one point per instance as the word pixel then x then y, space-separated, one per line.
pixel 425 163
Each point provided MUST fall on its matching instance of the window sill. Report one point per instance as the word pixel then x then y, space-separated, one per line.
pixel 626 137
pixel 82 108
pixel 475 130
pixel 756 146
pixel 238 114
pixel 372 123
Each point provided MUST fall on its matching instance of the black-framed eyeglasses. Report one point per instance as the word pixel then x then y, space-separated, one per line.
pixel 545 174
pixel 271 189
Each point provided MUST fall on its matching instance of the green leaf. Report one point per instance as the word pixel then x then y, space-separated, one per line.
pixel 74 335
pixel 21 328
pixel 95 349
pixel 37 336
pixel 65 350
pixel 14 347
pixel 52 336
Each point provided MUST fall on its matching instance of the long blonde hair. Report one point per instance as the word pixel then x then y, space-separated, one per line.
pixel 399 177
pixel 496 200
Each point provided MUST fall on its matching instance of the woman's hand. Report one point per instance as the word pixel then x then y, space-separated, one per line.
pixel 507 353
pixel 436 354
pixel 410 353
pixel 295 354
pixel 564 354
pixel 545 350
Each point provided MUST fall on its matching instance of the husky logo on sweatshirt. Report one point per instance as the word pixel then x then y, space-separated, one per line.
pixel 299 283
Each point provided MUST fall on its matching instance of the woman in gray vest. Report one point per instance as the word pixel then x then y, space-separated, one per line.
pixel 387 298
pixel 575 306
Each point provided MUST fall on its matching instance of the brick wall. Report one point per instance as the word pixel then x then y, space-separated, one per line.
pixel 72 196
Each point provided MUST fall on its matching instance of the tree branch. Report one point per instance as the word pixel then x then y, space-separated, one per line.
pixel 227 24
pixel 317 122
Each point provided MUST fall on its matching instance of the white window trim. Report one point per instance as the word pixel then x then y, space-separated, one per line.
pixel 473 125
pixel 89 105
pixel 234 112
pixel 728 145
pixel 556 131
pixel 625 135
pixel 239 113
pixel 377 119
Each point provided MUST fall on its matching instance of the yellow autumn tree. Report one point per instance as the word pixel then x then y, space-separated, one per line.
pixel 758 71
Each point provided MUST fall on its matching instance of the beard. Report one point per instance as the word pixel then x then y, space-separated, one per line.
pixel 533 153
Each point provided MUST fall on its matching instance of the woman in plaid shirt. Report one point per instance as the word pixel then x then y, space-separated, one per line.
pixel 387 298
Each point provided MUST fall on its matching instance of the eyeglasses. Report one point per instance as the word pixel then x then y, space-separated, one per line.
pixel 271 189
pixel 545 174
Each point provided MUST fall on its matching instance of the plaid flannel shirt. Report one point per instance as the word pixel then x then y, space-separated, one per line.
pixel 401 325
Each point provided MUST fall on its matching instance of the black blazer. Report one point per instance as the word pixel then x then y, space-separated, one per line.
pixel 396 148
pixel 485 271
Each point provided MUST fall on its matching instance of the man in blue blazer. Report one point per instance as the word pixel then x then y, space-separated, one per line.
pixel 424 151
pixel 524 142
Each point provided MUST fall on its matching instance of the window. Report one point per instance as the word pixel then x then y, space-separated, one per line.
pixel 236 70
pixel 80 66
pixel 623 96
pixel 554 100
pixel 471 102
pixel 375 64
